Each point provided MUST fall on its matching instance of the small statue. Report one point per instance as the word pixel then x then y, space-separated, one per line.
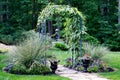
pixel 54 65
pixel 57 36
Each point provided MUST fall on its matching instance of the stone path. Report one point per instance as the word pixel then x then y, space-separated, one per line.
pixel 75 75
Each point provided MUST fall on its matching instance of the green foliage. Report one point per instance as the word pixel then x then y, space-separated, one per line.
pixel 101 26
pixel 68 62
pixel 113 43
pixel 61 46
pixel 70 18
pixel 38 68
pixel 96 52
pixel 79 68
pixel 27 53
pixel 90 39
pixel 18 68
pixel 93 69
pixel 15 38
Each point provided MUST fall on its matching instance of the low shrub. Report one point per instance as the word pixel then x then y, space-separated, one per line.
pixel 61 46
pixel 16 37
pixel 90 39
pixel 38 68
pixel 68 62
pixel 28 57
pixel 18 68
pixel 96 51
pixel 93 69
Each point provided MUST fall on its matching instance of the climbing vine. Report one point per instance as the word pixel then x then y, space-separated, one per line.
pixel 69 17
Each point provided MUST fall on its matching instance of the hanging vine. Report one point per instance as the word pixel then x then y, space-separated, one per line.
pixel 71 17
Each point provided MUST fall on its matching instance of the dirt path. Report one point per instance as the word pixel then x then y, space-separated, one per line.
pixel 75 75
pixel 9 47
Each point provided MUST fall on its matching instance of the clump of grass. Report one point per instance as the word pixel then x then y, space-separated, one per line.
pixel 29 52
pixel 96 51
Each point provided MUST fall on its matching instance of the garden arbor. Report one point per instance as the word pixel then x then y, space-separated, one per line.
pixel 69 19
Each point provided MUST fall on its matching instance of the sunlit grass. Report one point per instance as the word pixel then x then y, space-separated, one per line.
pixel 113 60
pixel 61 55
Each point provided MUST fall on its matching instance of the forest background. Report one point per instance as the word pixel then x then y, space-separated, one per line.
pixel 101 19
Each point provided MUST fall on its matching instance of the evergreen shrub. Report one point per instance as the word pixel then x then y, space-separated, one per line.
pixel 61 46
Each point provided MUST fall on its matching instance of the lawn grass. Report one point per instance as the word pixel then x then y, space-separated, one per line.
pixel 60 55
pixel 112 59
pixel 8 76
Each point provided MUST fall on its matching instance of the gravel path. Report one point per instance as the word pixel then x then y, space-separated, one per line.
pixel 75 75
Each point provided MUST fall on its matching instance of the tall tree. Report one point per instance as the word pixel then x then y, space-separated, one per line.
pixel 119 13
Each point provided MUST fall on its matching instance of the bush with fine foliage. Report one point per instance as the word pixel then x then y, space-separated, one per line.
pixel 61 46
pixel 28 57
pixel 96 51
pixel 90 39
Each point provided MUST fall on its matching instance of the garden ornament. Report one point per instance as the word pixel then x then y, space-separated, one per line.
pixel 57 34
pixel 54 65
pixel 86 61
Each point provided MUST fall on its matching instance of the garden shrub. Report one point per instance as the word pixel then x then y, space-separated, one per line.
pixel 61 46
pixel 38 68
pixel 92 59
pixel 29 52
pixel 90 39
pixel 16 37
pixel 93 69
pixel 96 51
pixel 18 68
pixel 68 62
